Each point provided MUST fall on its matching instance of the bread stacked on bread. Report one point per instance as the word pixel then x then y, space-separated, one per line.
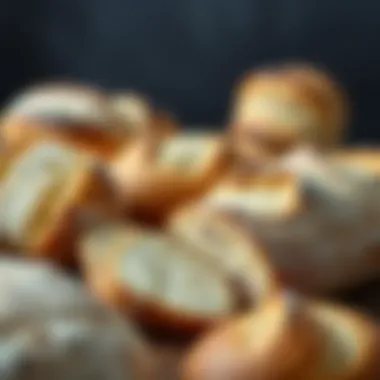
pixel 137 250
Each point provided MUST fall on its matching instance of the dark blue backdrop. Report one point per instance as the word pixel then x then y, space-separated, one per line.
pixel 187 53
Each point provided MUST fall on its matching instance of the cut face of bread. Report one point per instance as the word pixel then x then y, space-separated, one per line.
pixel 40 187
pixel 228 246
pixel 76 114
pixel 191 154
pixel 25 209
pixel 52 328
pixel 278 341
pixel 330 242
pixel 272 194
pixel 157 279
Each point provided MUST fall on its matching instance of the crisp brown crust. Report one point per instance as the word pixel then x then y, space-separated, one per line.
pixel 159 281
pixel 52 328
pixel 157 177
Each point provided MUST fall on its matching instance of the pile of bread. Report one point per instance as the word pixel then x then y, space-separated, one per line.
pixel 135 249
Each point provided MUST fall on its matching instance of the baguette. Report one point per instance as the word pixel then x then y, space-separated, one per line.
pixel 289 338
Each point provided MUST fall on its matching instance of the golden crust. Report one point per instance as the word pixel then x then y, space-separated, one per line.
pixel 157 177
pixel 288 338
pixel 49 222
pixel 278 107
pixel 77 114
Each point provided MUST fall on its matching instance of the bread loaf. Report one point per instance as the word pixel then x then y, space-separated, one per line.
pixel 160 281
pixel 289 338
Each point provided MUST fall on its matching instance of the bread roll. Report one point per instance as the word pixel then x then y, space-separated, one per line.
pixel 158 280
pixel 78 114
pixel 237 252
pixel 158 176
pixel 51 328
pixel 45 187
pixel 289 338
pixel 320 238
pixel 278 107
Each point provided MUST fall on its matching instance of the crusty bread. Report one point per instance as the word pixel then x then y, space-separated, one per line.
pixel 77 114
pixel 330 240
pixel 269 193
pixel 52 328
pixel 278 107
pixel 229 246
pixel 158 176
pixel 157 279
pixel 289 338
pixel 44 188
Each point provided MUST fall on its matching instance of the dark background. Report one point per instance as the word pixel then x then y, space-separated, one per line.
pixel 187 53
